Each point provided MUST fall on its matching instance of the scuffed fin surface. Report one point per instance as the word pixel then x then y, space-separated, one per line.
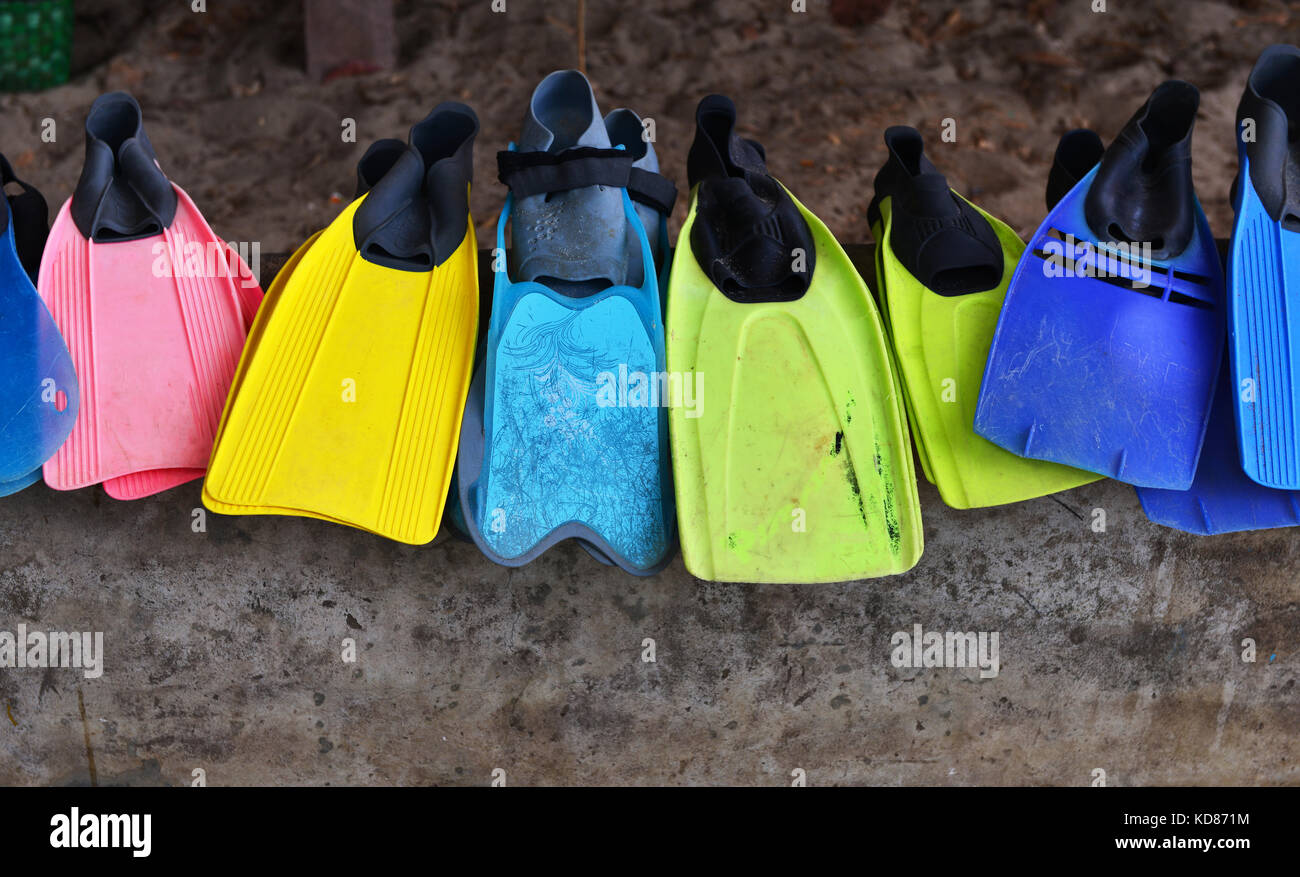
pixel 795 465
pixel 1106 376
pixel 821 467
pixel 556 455
pixel 141 484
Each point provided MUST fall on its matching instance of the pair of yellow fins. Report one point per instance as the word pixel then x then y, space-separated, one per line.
pixel 791 452
pixel 347 402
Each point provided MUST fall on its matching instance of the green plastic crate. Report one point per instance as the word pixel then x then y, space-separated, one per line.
pixel 35 43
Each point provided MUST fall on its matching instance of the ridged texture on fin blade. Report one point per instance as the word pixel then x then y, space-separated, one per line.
pixel 65 282
pixel 285 374
pixel 432 405
pixel 155 355
pixel 289 442
pixel 152 481
pixel 1264 338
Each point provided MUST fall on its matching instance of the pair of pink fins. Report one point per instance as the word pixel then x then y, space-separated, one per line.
pixel 154 308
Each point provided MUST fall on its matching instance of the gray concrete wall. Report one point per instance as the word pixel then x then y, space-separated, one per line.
pixel 1119 650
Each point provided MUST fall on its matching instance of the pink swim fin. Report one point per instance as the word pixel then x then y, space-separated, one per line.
pixel 153 314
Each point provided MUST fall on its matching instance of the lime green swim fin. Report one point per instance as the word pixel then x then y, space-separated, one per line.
pixel 791 457
pixel 943 266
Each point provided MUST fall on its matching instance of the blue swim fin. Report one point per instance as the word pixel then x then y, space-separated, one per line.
pixel 38 384
pixel 1109 343
pixel 1264 269
pixel 563 436
pixel 16 484
pixel 1222 499
pixel 652 193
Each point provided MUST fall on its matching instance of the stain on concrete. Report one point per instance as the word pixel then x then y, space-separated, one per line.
pixel 90 750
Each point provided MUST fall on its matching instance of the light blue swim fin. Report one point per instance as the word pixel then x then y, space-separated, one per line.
pixel 564 436
pixel 1264 271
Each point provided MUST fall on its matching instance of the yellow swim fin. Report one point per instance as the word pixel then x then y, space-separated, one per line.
pixel 791 456
pixel 347 403
pixel 942 267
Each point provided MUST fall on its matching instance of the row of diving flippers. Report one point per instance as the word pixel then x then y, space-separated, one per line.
pixel 779 449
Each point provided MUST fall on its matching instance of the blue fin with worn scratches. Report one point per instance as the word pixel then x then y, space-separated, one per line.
pixel 563 435
pixel 1105 357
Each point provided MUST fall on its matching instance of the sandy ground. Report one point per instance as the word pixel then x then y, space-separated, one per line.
pixel 237 122
pixel 1120 650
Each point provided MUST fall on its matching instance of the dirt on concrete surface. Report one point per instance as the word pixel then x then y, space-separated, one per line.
pixel 1120 650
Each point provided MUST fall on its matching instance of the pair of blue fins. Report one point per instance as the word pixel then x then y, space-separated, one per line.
pixel 1110 351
